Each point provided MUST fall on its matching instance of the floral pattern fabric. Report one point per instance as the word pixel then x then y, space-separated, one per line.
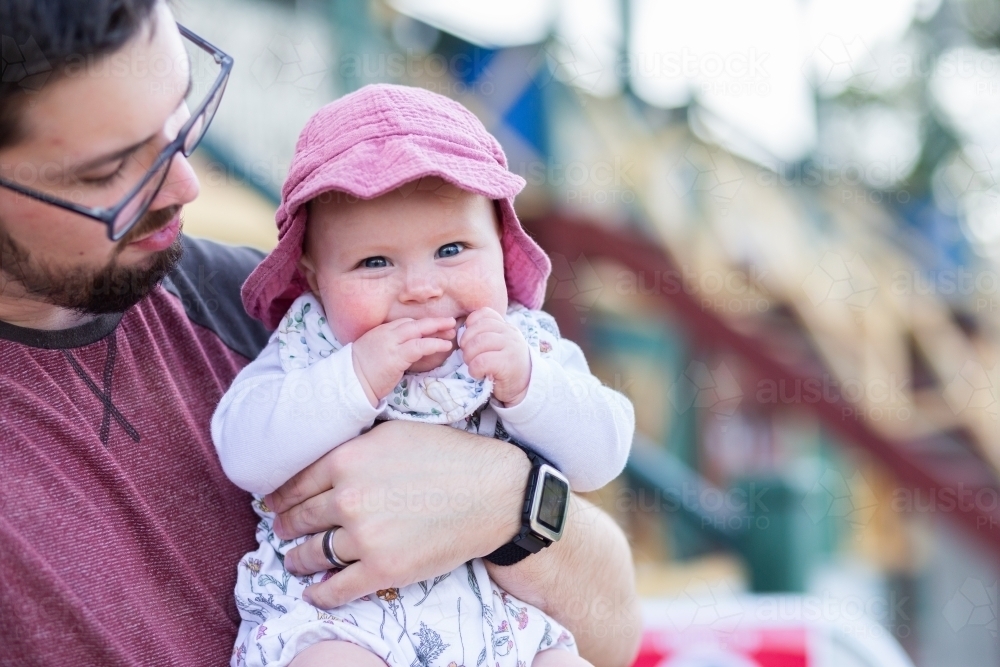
pixel 459 619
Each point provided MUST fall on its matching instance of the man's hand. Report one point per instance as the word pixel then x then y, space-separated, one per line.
pixel 417 500
pixel 492 346
pixel 383 354
pixel 414 501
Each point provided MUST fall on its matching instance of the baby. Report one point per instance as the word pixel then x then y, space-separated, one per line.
pixel 403 287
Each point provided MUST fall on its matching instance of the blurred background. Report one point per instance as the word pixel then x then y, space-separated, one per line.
pixel 775 226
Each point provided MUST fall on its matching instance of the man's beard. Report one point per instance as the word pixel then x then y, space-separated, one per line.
pixel 110 289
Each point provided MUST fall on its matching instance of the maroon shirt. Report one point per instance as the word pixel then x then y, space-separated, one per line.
pixel 119 532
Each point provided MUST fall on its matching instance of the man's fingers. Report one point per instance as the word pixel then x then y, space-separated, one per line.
pixel 307 483
pixel 309 557
pixel 310 516
pixel 349 584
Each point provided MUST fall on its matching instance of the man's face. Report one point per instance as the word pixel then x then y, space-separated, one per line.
pixel 88 137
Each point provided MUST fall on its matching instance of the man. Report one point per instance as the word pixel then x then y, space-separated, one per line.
pixel 119 534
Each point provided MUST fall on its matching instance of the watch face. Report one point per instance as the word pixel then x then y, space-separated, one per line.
pixel 552 508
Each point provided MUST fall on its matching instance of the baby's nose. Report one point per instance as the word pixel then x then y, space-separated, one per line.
pixel 421 287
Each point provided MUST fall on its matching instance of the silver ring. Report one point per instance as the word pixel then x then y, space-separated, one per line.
pixel 328 551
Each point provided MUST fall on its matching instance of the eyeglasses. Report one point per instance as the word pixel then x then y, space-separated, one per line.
pixel 121 217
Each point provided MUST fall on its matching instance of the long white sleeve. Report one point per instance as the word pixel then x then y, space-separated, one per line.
pixel 583 427
pixel 271 424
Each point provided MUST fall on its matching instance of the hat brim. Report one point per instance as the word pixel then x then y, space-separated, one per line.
pixel 276 282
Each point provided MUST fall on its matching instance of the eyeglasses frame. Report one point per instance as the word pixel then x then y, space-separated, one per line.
pixel 108 215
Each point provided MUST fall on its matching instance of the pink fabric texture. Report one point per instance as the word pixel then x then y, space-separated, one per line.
pixel 371 142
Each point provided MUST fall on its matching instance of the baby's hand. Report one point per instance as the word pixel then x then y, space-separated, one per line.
pixel 493 347
pixel 382 355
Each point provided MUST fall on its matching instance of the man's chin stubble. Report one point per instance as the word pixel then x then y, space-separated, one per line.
pixel 110 289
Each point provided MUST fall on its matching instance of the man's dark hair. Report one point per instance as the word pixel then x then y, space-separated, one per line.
pixel 39 37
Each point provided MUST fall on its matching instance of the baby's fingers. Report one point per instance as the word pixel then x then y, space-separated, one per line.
pixel 418 348
pixel 482 315
pixel 488 364
pixel 485 341
pixel 411 329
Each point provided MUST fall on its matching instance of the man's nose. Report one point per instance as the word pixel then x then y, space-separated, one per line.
pixel 180 187
pixel 422 285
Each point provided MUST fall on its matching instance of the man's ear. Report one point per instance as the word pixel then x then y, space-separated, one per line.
pixel 305 265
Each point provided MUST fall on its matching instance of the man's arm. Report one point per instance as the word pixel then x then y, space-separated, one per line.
pixel 416 501
pixel 585 581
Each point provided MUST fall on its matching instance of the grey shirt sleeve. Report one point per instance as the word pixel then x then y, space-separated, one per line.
pixel 208 280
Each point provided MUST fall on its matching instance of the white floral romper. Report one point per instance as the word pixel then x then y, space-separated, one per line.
pixel 459 619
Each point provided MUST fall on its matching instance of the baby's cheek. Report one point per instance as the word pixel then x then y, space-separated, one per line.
pixel 351 310
pixel 482 287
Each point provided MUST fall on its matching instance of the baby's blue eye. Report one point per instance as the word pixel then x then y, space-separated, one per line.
pixel 449 250
pixel 375 263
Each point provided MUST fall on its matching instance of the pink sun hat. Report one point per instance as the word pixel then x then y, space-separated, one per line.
pixel 371 142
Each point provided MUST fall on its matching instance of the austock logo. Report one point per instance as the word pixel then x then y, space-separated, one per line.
pixel 974 388
pixel 712 171
pixel 836 279
pixel 837 64
pixel 576 282
pixel 576 62
pixel 23 64
pixel 288 62
pixel 833 495
pixel 707 606
pixel 700 387
pixel 973 605
pixel 971 170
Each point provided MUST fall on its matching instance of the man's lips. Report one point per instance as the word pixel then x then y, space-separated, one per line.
pixel 161 239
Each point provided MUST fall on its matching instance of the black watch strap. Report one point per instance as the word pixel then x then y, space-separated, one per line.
pixel 508 554
pixel 513 552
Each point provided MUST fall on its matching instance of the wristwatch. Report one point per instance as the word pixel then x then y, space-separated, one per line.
pixel 543 516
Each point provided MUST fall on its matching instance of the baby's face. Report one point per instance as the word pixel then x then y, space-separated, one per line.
pixel 427 249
